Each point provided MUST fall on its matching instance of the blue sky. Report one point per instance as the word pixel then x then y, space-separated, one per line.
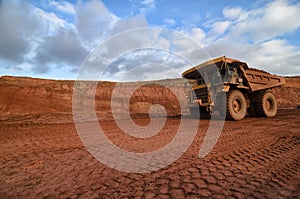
pixel 51 39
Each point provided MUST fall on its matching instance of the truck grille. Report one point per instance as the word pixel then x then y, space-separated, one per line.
pixel 201 94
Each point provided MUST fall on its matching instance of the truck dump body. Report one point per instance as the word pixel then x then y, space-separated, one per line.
pixel 260 80
pixel 255 79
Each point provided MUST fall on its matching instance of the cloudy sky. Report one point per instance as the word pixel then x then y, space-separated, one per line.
pixel 51 39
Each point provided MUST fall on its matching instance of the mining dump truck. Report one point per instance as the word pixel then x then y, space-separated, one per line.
pixel 232 88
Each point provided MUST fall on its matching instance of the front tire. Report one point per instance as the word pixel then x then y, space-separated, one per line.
pixel 236 105
pixel 266 105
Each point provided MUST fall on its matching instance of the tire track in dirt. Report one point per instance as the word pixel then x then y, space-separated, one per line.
pixel 254 158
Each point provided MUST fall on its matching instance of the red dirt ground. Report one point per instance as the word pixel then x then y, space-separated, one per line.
pixel 43 157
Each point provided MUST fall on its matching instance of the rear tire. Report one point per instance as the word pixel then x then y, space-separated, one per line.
pixel 266 106
pixel 236 105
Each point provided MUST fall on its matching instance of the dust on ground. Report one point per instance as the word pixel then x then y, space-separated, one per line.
pixel 43 157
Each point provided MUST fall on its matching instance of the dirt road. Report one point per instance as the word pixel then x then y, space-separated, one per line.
pixel 41 156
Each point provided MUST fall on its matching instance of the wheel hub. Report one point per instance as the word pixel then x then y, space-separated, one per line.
pixel 268 105
pixel 237 105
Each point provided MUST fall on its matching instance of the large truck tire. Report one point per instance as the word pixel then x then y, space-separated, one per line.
pixel 236 105
pixel 266 105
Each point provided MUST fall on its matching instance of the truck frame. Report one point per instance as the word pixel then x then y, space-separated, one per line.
pixel 233 89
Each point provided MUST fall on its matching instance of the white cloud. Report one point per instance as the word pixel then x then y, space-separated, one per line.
pixel 63 47
pixel 218 28
pixel 275 19
pixel 275 56
pixel 94 22
pixel 65 7
pixel 147 5
pixel 36 40
pixel 232 12
pixel 17 25
pixel 138 21
pixel 50 22
pixel 255 36
pixel 170 22
pixel 198 34
pixel 25 66
pixel 41 41
pixel 150 3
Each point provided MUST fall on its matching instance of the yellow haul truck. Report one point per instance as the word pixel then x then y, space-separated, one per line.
pixel 230 87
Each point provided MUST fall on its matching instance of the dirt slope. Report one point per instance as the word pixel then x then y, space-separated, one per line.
pixel 21 95
pixel 288 96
